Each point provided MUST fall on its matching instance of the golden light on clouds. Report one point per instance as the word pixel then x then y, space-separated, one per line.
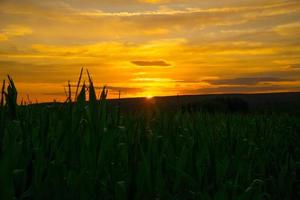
pixel 12 31
pixel 151 47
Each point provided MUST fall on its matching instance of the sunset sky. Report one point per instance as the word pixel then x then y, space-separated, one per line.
pixel 151 47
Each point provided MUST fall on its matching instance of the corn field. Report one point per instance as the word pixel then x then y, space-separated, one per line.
pixel 83 150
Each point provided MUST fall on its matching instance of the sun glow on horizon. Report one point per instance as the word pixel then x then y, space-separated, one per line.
pixel 149 97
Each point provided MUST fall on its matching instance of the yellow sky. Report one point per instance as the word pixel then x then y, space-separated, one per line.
pixel 151 47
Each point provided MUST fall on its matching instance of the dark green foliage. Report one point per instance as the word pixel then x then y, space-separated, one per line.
pixel 2 94
pixel 11 99
pixel 80 151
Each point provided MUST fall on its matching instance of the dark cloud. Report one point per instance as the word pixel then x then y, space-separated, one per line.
pixel 286 73
pixel 241 89
pixel 247 81
pixel 159 63
pixel 295 66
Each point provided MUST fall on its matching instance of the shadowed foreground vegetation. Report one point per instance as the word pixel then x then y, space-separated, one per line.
pixel 83 150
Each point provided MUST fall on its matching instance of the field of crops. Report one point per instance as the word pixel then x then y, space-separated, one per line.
pixel 83 150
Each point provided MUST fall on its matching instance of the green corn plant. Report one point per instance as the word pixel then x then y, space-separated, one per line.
pixel 2 123
pixel 2 94
pixel 11 99
pixel 78 83
pixel 104 93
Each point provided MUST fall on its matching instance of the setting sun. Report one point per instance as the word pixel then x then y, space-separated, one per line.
pixel 149 97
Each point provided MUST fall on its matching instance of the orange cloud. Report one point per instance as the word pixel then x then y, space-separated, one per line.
pixel 12 31
pixel 159 63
